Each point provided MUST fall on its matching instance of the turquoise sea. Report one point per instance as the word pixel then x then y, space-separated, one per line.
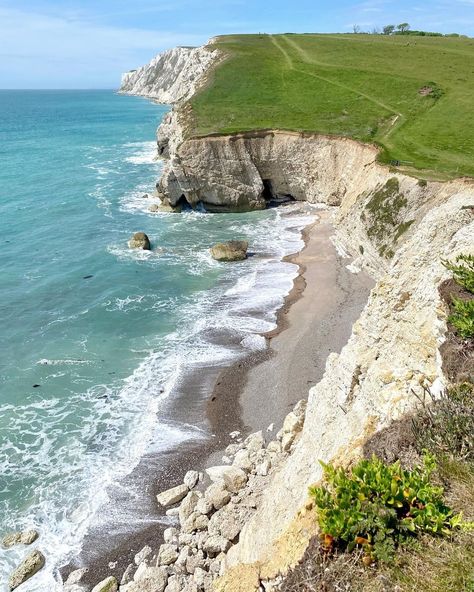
pixel 94 335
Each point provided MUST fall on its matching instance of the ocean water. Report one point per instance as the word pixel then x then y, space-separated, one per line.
pixel 93 334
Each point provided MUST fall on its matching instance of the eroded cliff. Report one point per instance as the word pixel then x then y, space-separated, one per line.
pixel 398 228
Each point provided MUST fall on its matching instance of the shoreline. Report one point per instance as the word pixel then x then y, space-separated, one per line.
pixel 223 394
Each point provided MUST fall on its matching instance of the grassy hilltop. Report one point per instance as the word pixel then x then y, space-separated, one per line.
pixel 362 86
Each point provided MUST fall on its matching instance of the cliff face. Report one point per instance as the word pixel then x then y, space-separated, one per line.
pixel 394 226
pixel 171 76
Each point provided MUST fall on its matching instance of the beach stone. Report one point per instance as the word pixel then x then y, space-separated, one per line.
pixel 202 578
pixel 167 554
pixel 128 574
pixel 188 505
pixel 234 434
pixel 254 442
pixel 204 506
pixel 224 523
pixel 242 460
pixel 172 512
pixel 216 544
pixel 154 208
pixel 191 479
pixel 27 568
pixel 76 576
pixel 170 535
pixel 145 553
pixel 185 539
pixel 25 537
pixel 195 522
pixel 196 560
pixel 235 250
pixel 175 583
pixel 217 495
pixel 108 585
pixel 140 241
pixel 172 496
pixel 233 477
pixel 263 468
pixel 151 579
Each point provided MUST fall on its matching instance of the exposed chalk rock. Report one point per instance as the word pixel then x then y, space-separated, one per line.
pixel 230 251
pixel 216 544
pixel 128 574
pixel 172 496
pixel 217 495
pixel 25 537
pixel 140 241
pixel 167 554
pixel 170 535
pixel 232 477
pixel 191 479
pixel 194 522
pixel 188 505
pixel 142 555
pixel 27 568
pixel 150 579
pixel 108 585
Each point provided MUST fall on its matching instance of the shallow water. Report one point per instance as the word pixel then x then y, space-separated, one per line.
pixel 95 335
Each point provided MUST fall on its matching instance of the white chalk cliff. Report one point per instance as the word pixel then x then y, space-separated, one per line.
pixel 394 347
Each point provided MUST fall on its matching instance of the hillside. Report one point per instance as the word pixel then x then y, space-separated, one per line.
pixel 366 87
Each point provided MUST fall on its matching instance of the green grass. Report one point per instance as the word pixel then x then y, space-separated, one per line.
pixel 362 86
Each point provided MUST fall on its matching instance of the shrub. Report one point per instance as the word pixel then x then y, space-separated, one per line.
pixel 378 507
pixel 446 426
pixel 463 271
pixel 462 317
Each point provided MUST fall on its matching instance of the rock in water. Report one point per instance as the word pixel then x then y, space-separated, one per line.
pixel 27 568
pixel 108 585
pixel 140 241
pixel 230 251
pixel 26 537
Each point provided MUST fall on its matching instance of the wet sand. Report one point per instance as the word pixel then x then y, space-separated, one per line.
pixel 257 390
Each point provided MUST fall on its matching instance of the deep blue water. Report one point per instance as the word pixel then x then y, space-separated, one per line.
pixel 93 335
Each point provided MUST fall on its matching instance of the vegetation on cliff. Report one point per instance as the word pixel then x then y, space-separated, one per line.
pixel 411 95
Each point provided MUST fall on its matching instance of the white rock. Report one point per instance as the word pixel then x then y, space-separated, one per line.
pixel 170 535
pixel 242 460
pixel 191 479
pixel 145 553
pixel 172 512
pixel 167 554
pixel 128 575
pixel 232 477
pixel 205 505
pixel 195 522
pixel 234 435
pixel 255 441
pixel 188 505
pixel 77 575
pixel 216 544
pixel 263 468
pixel 271 427
pixel 152 579
pixel 172 496
pixel 108 585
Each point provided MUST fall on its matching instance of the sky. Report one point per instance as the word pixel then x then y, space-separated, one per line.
pixel 89 43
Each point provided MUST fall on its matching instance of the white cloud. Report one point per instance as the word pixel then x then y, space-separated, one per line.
pixel 73 52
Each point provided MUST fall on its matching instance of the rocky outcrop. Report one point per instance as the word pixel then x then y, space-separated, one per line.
pixel 27 568
pixel 25 537
pixel 171 76
pixel 140 241
pixel 230 251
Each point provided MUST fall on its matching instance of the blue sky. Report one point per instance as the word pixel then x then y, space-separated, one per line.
pixel 88 43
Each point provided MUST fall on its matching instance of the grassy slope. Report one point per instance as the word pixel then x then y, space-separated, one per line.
pixel 362 86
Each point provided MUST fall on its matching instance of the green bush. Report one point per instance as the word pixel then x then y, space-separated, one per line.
pixel 445 426
pixel 379 506
pixel 463 271
pixel 462 317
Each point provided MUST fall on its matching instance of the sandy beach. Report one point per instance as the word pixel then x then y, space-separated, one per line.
pixel 256 391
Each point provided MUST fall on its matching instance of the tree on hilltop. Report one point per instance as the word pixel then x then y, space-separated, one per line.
pixel 403 27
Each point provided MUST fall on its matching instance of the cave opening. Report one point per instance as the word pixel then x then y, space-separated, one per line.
pixel 272 198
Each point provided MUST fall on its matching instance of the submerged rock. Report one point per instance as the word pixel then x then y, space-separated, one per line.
pixel 27 568
pixel 25 537
pixel 235 250
pixel 140 241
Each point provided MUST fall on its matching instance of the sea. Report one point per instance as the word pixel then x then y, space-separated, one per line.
pixel 94 335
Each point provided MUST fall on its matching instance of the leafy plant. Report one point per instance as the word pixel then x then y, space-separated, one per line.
pixel 462 317
pixel 377 507
pixel 445 426
pixel 463 271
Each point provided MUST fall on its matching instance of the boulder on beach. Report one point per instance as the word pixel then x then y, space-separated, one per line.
pixel 140 241
pixel 27 568
pixel 25 537
pixel 173 495
pixel 235 250
pixel 110 584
